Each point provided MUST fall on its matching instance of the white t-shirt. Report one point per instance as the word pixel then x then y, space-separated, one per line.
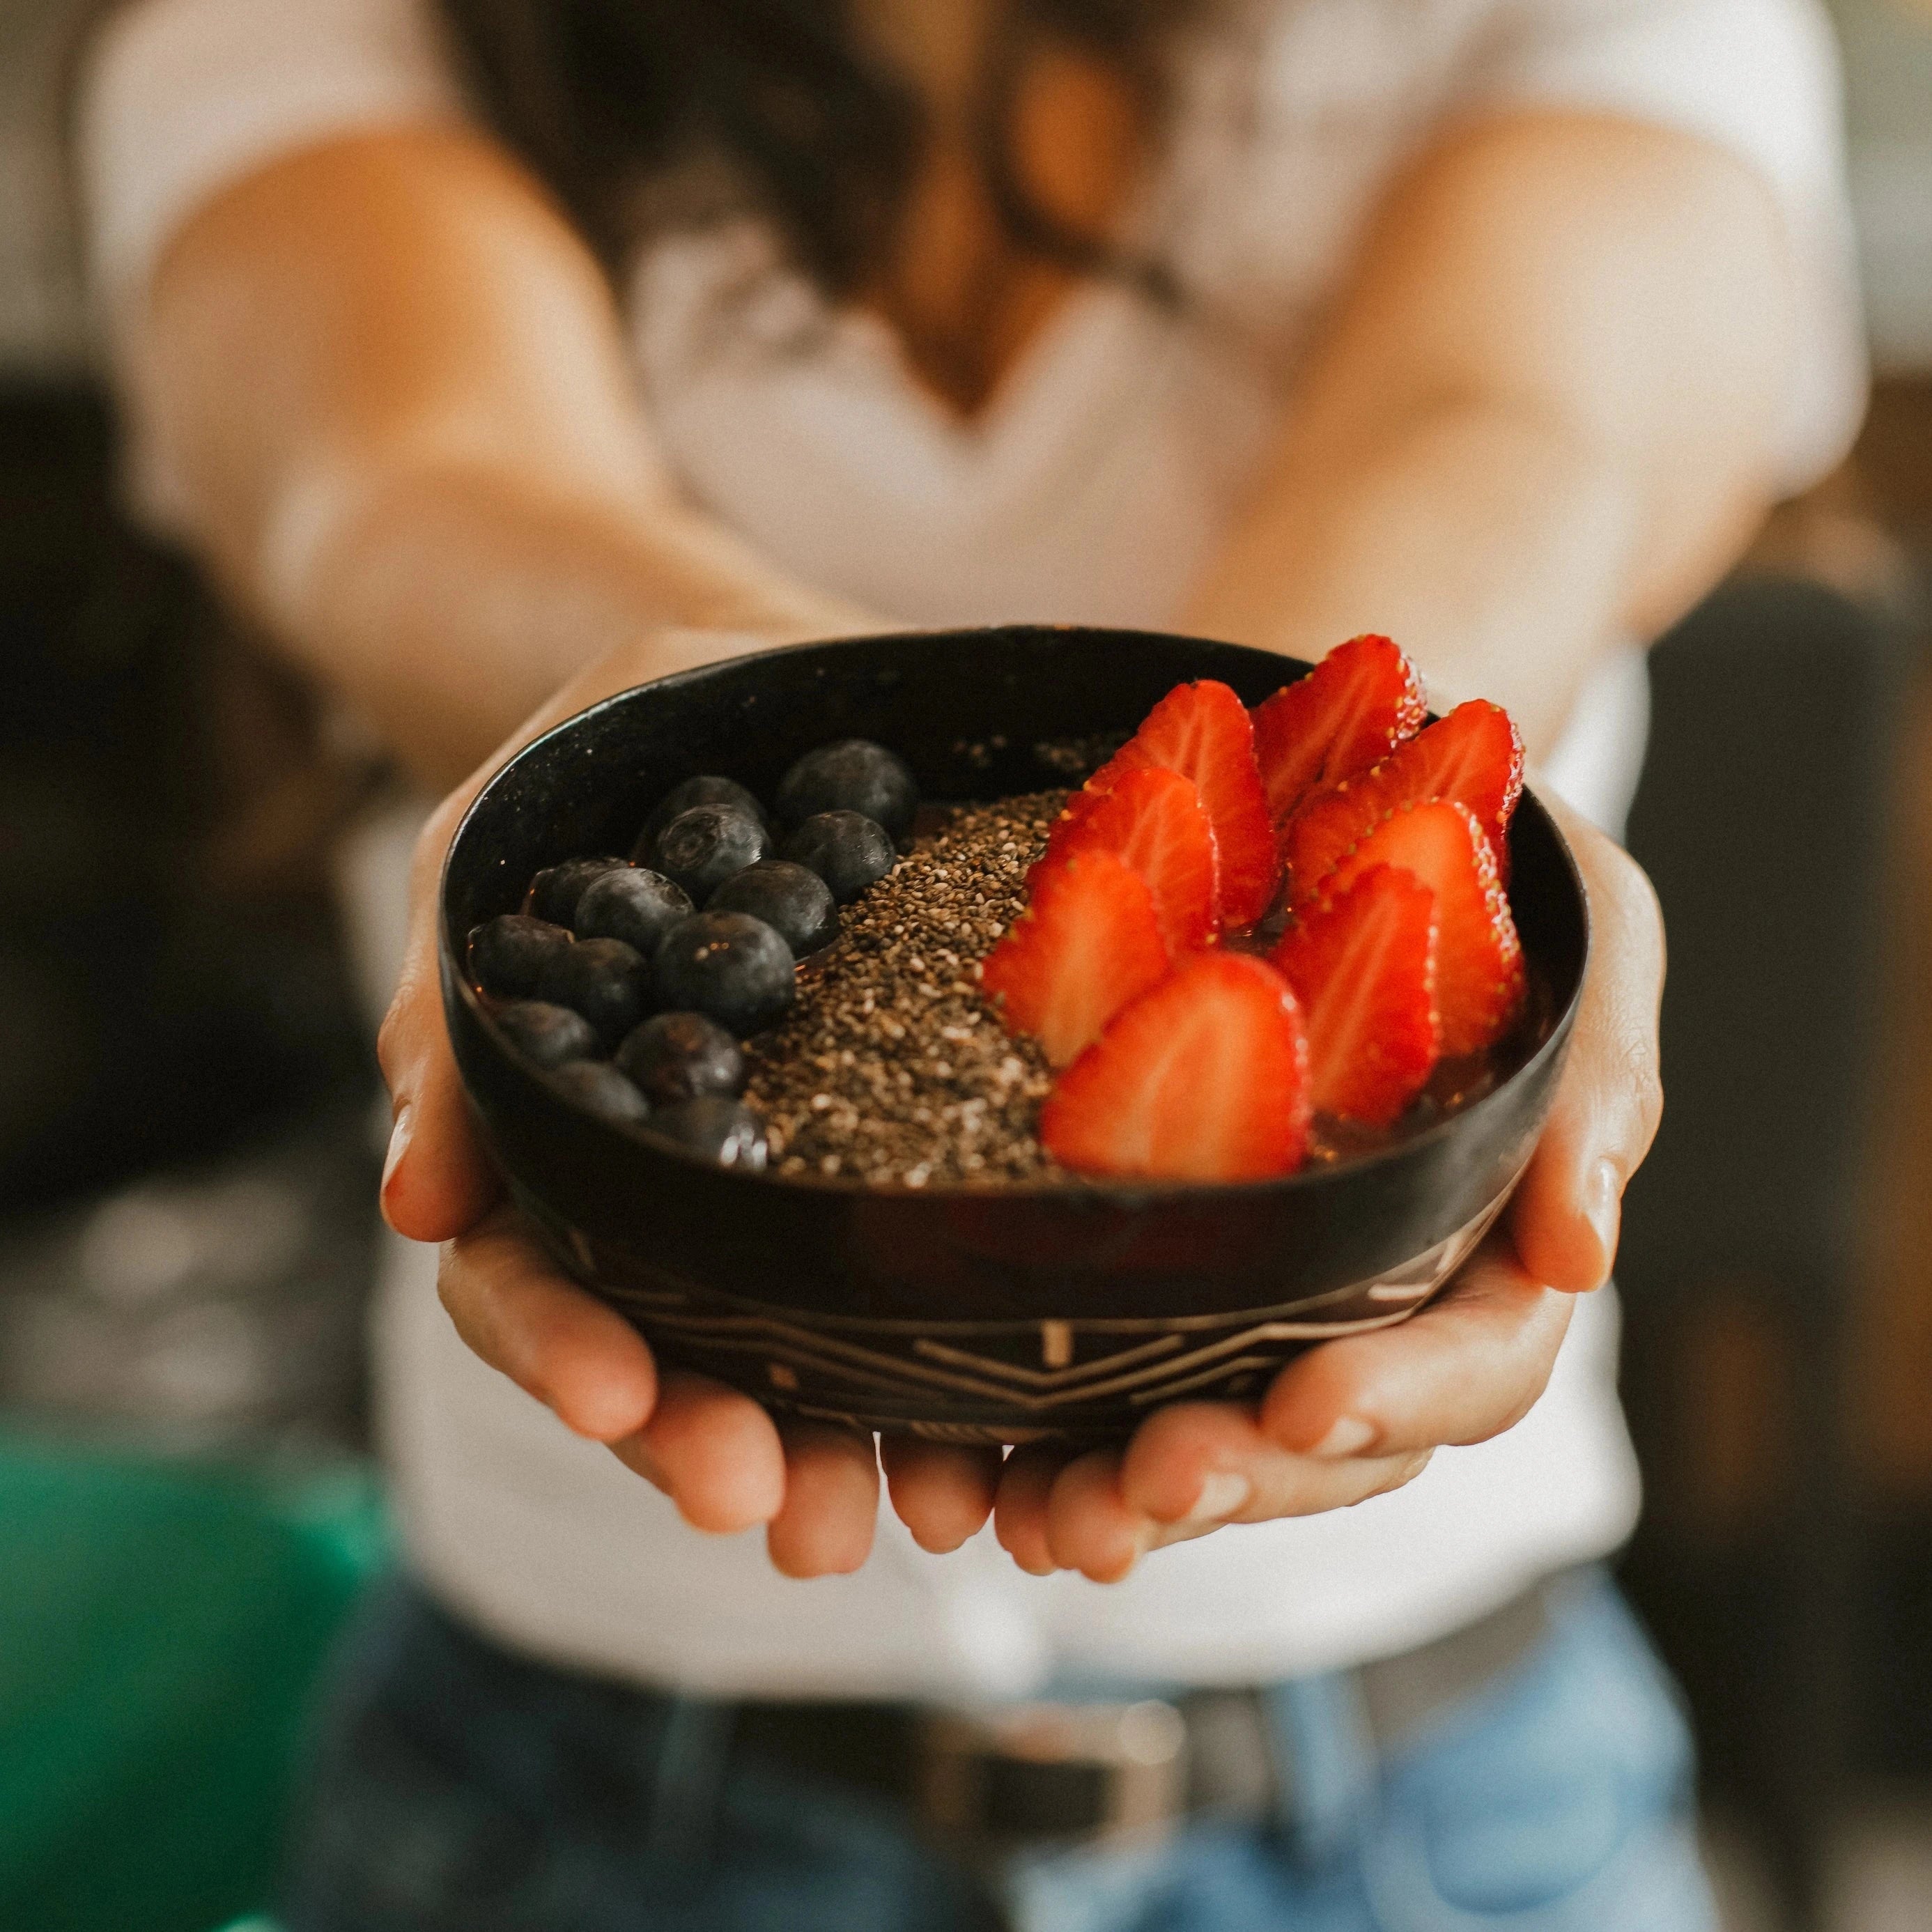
pixel 1090 491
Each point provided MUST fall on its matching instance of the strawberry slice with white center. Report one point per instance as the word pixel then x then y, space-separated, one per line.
pixel 1363 968
pixel 1361 701
pixel 1473 756
pixel 1088 942
pixel 1204 732
pixel 1154 820
pixel 1479 974
pixel 1205 1078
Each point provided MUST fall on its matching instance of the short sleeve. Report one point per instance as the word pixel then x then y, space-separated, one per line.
pixel 1759 78
pixel 179 98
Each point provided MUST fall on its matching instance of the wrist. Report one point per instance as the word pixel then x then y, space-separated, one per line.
pixel 1492 544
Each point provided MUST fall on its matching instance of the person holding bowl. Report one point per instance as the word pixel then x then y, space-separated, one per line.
pixel 497 355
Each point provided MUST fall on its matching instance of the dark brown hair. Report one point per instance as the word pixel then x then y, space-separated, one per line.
pixel 777 101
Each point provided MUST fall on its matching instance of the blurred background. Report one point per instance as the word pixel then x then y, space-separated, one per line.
pixel 187 1153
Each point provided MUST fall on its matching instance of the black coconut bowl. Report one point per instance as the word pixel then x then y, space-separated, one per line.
pixel 968 1314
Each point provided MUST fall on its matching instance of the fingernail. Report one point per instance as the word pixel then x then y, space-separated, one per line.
pixel 1603 1206
pixel 1221 1495
pixel 399 1143
pixel 1147 1537
pixel 1349 1436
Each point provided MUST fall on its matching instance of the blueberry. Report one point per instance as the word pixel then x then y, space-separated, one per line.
pixel 599 1087
pixel 549 1035
pixel 606 981
pixel 725 1131
pixel 726 965
pixel 507 955
pixel 792 900
pixel 632 904
pixel 854 774
pixel 676 1057
pixel 555 890
pixel 705 790
pixel 846 849
pixel 700 849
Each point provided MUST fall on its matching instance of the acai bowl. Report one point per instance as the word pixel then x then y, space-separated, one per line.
pixel 974 1310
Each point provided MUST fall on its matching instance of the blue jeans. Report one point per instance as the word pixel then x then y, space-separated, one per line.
pixel 461 1789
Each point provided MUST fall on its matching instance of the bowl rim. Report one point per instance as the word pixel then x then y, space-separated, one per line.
pixel 1076 1189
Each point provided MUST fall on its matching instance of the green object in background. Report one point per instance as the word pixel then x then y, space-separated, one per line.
pixel 161 1625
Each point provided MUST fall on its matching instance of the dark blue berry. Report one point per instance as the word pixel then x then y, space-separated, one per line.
pixel 846 849
pixel 597 1086
pixel 549 1035
pixel 507 955
pixel 632 904
pixel 676 1057
pixel 725 1131
pixel 606 981
pixel 555 890
pixel 705 790
pixel 792 900
pixel 728 964
pixel 854 774
pixel 700 849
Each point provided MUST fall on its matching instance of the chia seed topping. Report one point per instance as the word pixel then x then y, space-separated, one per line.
pixel 890 1067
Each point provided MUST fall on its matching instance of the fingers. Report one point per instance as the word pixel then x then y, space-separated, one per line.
pixel 1019 1507
pixel 824 1526
pixel 1348 1421
pixel 714 1452
pixel 1566 1211
pixel 1464 1369
pixel 531 1322
pixel 943 1491
pixel 1091 1512
pixel 726 1464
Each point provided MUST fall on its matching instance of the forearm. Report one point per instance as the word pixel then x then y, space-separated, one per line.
pixel 392 390
pixel 450 601
pixel 1492 548
pixel 1542 420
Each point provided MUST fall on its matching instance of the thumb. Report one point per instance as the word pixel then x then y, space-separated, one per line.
pixel 1567 1213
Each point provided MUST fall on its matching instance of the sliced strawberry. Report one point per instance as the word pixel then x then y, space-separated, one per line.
pixel 1354 707
pixel 1153 819
pixel 1474 756
pixel 1363 968
pixel 1205 1078
pixel 1088 942
pixel 1479 979
pixel 1203 731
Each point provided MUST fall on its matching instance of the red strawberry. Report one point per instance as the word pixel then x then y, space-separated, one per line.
pixel 1203 732
pixel 1088 942
pixel 1205 1078
pixel 1355 706
pixel 1473 756
pixel 1479 979
pixel 1153 819
pixel 1363 968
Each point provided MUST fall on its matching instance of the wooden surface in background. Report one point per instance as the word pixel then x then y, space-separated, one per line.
pixel 1891 1368
pixel 1866 532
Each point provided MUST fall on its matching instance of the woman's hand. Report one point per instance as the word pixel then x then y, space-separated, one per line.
pixel 1344 1422
pixel 1353 1418
pixel 719 1455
